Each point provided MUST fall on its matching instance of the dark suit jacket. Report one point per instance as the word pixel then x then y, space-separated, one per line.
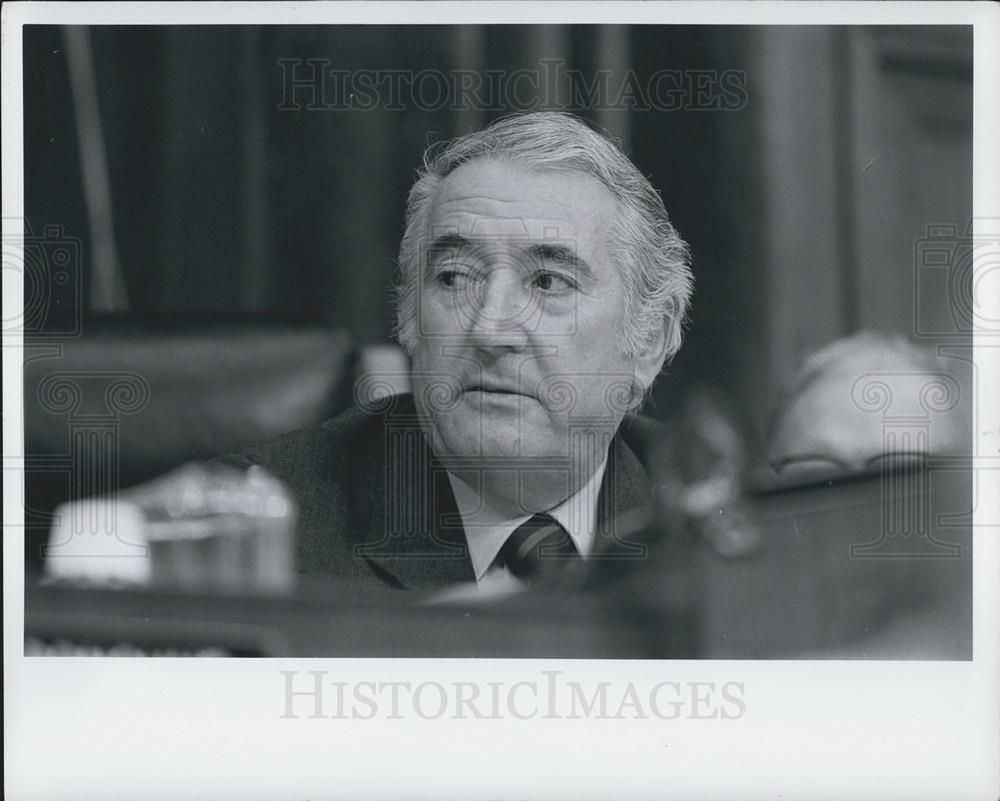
pixel 376 507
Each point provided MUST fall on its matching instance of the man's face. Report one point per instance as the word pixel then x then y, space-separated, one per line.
pixel 518 312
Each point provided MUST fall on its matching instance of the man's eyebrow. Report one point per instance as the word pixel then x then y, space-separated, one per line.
pixel 564 254
pixel 447 242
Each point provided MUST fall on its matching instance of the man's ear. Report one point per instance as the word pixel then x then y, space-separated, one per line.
pixel 649 360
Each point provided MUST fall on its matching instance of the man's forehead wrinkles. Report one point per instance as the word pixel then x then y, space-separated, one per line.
pixel 526 218
pixel 470 223
pixel 447 199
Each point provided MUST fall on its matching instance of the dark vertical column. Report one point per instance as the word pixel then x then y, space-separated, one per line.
pixel 613 48
pixel 201 233
pixel 255 263
pixel 698 152
pixel 800 253
pixel 467 46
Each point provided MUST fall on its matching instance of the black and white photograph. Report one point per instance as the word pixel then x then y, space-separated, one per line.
pixel 546 338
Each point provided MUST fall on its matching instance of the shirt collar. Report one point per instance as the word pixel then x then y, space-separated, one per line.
pixel 486 530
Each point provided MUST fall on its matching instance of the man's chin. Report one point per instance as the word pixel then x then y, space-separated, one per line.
pixel 497 436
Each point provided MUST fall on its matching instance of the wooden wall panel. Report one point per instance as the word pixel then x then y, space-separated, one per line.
pixel 911 158
pixel 864 141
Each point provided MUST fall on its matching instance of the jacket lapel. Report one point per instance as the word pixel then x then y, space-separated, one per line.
pixel 624 506
pixel 415 538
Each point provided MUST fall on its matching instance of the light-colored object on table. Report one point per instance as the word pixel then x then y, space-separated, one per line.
pixel 99 541
pixel 200 527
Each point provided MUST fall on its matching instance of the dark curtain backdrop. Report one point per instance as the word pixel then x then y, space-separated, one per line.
pixel 224 201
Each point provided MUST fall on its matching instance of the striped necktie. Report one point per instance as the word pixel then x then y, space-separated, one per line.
pixel 538 548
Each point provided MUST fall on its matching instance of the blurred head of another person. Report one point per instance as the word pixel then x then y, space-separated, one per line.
pixel 867 396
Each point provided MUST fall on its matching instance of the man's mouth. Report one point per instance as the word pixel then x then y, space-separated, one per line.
pixel 496 388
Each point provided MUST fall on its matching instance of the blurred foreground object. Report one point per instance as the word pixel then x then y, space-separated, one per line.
pixel 699 478
pixel 699 472
pixel 208 527
pixel 698 469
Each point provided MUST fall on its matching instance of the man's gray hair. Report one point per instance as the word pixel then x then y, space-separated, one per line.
pixel 646 248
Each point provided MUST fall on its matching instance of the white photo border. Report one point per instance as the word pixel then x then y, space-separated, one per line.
pixel 114 728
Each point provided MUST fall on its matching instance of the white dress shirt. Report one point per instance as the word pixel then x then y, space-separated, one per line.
pixel 486 530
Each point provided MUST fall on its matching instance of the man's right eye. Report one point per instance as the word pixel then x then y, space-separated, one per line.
pixel 451 278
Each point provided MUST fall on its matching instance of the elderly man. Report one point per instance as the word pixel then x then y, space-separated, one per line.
pixel 542 289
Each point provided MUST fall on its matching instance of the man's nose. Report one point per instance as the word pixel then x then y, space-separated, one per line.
pixel 502 312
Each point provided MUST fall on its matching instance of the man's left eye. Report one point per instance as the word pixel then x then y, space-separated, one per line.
pixel 551 282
